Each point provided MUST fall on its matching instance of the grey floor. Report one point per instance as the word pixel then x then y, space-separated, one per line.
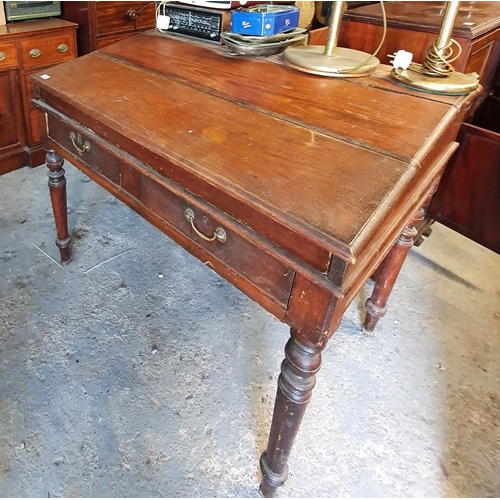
pixel 150 376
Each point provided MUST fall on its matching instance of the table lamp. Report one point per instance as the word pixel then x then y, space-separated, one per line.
pixel 436 75
pixel 330 60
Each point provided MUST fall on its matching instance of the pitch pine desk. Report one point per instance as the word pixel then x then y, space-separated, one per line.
pixel 295 188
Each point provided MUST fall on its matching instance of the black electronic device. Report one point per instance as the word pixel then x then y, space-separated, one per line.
pixel 15 11
pixel 198 22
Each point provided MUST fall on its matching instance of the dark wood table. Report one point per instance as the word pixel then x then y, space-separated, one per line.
pixel 295 188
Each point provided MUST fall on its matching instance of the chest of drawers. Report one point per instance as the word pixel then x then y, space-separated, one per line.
pixel 103 23
pixel 25 48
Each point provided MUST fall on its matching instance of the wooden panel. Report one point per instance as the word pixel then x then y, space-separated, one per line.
pixel 114 17
pixel 84 14
pixel 301 99
pixel 52 48
pixel 366 37
pixel 103 23
pixel 8 57
pixel 484 57
pixel 468 198
pixel 34 127
pixel 34 27
pixel 474 19
pixel 109 40
pixel 10 111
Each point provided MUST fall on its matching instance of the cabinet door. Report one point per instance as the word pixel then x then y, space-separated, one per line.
pixel 35 124
pixel 468 197
pixel 11 120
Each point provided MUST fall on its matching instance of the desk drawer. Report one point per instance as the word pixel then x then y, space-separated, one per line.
pixel 229 244
pixel 234 252
pixel 41 51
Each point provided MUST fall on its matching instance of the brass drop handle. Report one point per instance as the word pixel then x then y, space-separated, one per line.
pixel 3 56
pixel 76 139
pixel 35 53
pixel 219 233
pixel 62 48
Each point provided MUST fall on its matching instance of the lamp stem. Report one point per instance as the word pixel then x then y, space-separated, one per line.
pixel 449 17
pixel 334 29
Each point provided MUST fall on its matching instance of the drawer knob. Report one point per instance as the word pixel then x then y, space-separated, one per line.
pixel 3 56
pixel 219 233
pixel 132 15
pixel 62 47
pixel 80 146
pixel 35 53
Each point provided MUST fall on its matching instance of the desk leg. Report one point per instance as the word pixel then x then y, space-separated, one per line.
pixel 295 385
pixel 57 187
pixel 388 271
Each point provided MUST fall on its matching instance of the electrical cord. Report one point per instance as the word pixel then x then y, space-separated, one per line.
pixel 439 64
pixel 382 40
pixel 158 9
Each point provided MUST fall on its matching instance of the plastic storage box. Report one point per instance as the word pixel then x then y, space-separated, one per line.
pixel 264 20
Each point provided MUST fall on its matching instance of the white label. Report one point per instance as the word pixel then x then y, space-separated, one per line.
pixel 45 77
pixel 163 22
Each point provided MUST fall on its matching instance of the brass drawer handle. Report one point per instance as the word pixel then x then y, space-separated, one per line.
pixel 35 53
pixel 219 233
pixel 62 48
pixel 76 139
pixel 3 56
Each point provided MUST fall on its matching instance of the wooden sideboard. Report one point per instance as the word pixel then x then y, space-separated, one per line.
pixel 468 197
pixel 104 23
pixel 26 47
pixel 413 26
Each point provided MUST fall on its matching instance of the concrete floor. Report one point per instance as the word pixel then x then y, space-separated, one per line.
pixel 149 376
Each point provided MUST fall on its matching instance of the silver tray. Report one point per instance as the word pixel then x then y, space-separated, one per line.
pixel 245 45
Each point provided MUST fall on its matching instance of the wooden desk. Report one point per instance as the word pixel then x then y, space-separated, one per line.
pixel 305 185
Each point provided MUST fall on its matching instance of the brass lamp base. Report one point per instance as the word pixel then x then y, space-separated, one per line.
pixel 453 84
pixel 312 59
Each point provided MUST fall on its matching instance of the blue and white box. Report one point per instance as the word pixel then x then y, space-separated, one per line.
pixel 264 20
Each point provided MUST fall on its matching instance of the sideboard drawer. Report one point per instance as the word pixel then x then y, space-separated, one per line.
pixel 38 52
pixel 118 17
pixel 7 55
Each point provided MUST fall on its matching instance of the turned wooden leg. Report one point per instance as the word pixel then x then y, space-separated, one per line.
pixel 57 187
pixel 295 384
pixel 388 271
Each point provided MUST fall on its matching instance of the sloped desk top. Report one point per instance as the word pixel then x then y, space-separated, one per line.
pixel 306 186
